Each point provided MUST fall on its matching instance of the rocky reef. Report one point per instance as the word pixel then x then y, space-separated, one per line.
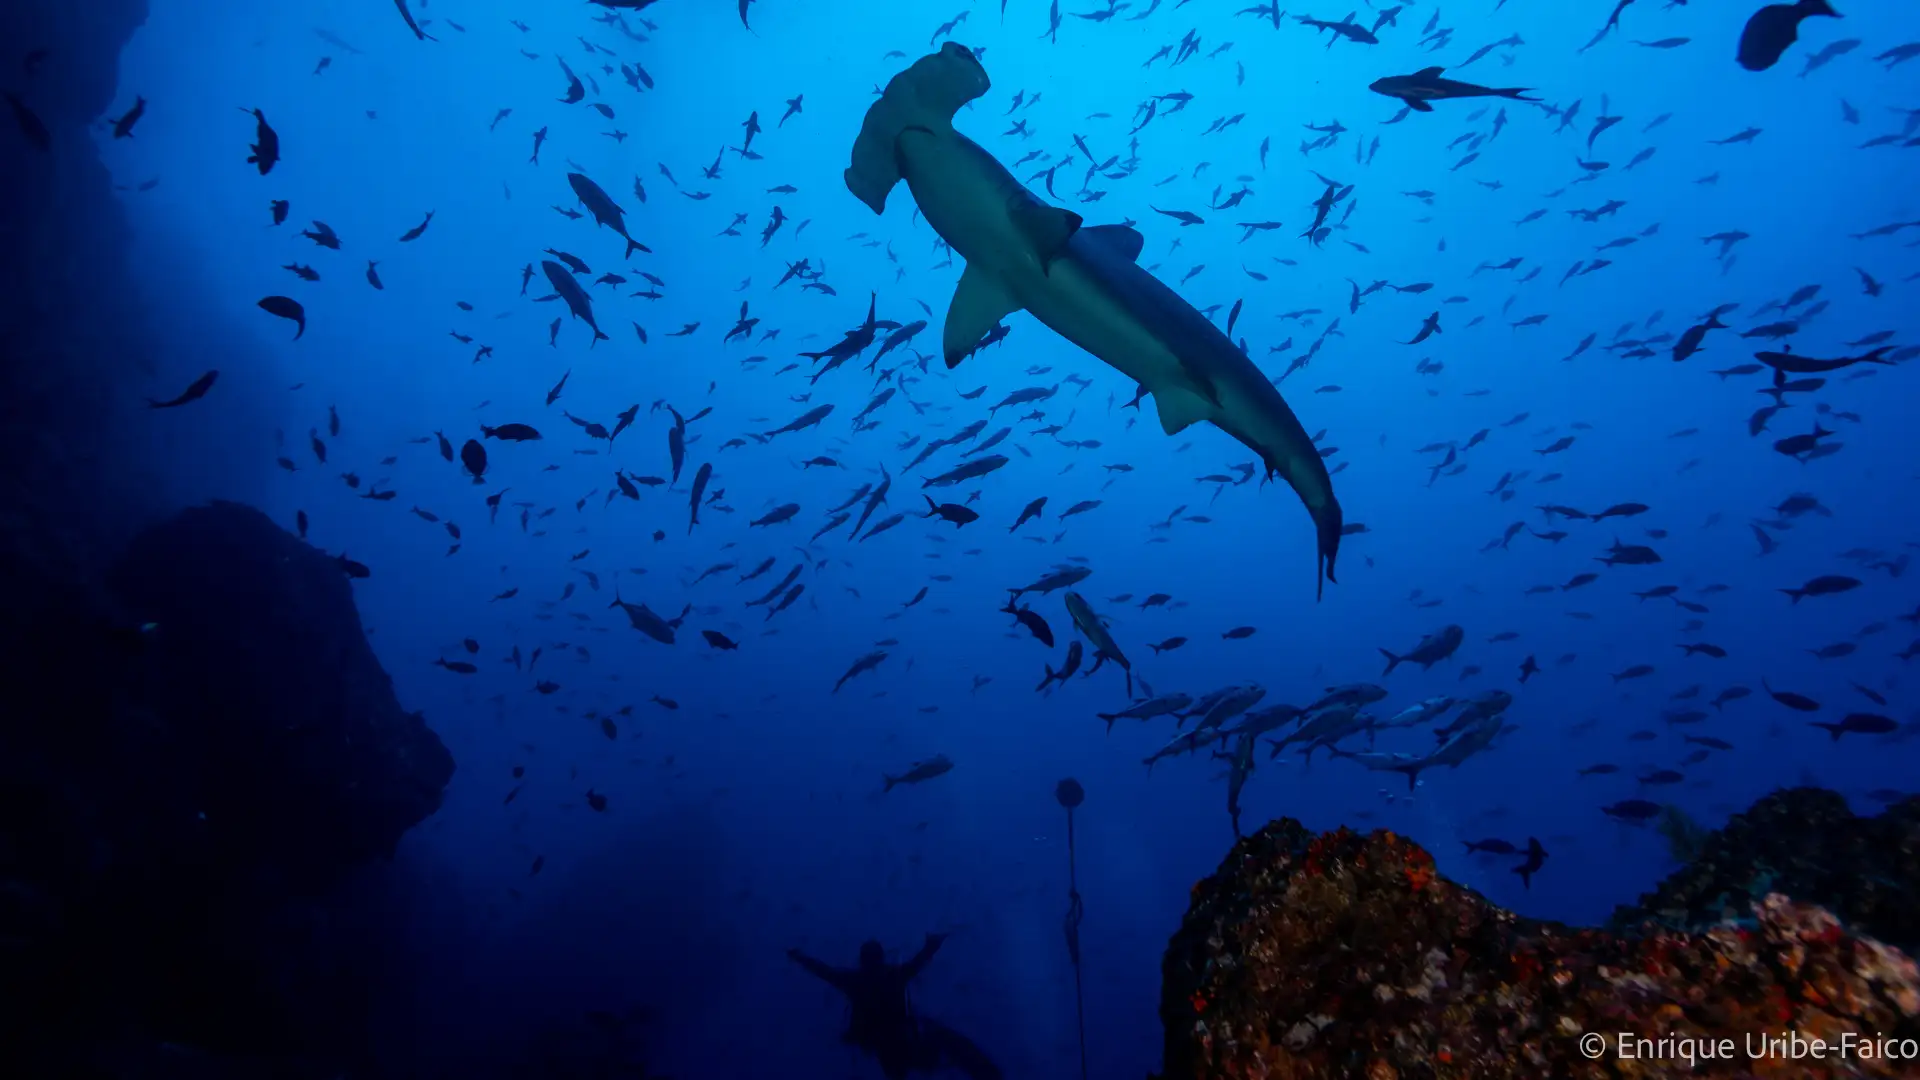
pixel 71 326
pixel 1807 844
pixel 194 747
pixel 1343 955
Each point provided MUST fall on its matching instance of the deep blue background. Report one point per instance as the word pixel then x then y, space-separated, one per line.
pixel 750 820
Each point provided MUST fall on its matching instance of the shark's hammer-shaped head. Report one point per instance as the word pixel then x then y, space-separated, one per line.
pixel 943 81
pixel 924 96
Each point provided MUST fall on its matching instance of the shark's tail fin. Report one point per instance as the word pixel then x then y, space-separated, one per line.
pixel 1412 769
pixel 1517 93
pixel 1329 525
pixel 925 95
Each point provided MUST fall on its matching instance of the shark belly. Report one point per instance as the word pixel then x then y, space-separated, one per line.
pixel 1116 310
pixel 1072 301
pixel 1107 304
pixel 967 197
pixel 1161 327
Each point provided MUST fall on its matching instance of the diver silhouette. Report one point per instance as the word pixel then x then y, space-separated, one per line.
pixel 881 1020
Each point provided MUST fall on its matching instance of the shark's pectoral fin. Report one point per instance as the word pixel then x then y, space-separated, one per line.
pixel 1119 239
pixel 1180 408
pixel 980 302
pixel 1046 229
pixel 1418 104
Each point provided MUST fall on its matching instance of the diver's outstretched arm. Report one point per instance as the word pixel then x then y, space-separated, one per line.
pixel 919 960
pixel 825 972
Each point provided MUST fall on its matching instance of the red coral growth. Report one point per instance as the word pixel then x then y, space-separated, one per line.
pixel 1340 956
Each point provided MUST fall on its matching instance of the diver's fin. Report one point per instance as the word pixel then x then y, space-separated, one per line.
pixel 1180 408
pixel 979 303
pixel 1046 229
pixel 1118 239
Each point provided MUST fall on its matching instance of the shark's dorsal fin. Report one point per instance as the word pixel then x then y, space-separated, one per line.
pixel 1428 73
pixel 1046 229
pixel 979 302
pixel 1180 408
pixel 1119 239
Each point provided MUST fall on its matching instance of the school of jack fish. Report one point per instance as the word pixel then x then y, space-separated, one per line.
pixel 931 138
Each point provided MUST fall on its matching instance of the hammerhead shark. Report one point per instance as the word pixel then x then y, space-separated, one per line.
pixel 1083 283
pixel 1420 89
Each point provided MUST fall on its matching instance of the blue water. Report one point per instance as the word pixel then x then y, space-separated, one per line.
pixel 751 819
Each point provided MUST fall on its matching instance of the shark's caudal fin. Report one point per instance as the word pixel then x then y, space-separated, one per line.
pixel 926 95
pixel 1412 769
pixel 1329 523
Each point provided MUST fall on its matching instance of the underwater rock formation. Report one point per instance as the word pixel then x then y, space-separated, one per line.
pixel 206 743
pixel 70 328
pixel 1807 844
pixel 1347 956
pixel 256 671
pixel 136 937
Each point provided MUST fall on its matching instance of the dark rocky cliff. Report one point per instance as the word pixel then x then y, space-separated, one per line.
pixel 192 757
pixel 197 745
pixel 69 319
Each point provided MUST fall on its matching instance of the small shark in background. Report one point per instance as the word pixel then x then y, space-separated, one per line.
pixel 1426 85
pixel 335 40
